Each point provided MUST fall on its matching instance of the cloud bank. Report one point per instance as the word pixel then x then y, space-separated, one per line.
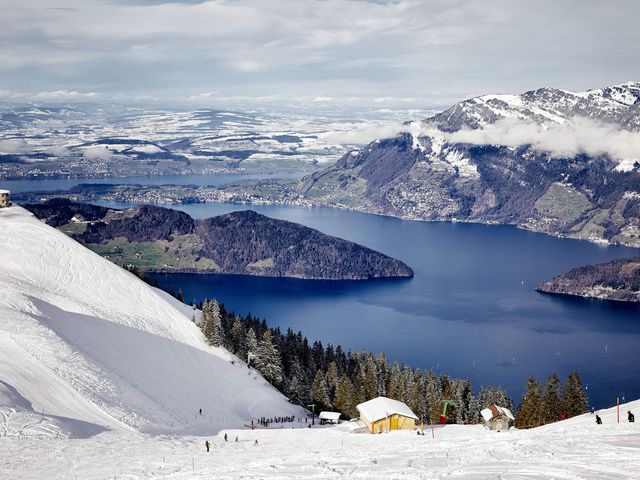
pixel 13 146
pixel 566 140
pixel 99 153
pixel 577 136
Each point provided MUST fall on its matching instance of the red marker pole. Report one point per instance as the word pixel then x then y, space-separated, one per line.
pixel 618 408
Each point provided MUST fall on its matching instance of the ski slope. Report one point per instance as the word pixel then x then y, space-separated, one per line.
pixel 574 449
pixel 87 347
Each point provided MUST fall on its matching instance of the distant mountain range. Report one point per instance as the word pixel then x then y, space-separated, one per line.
pixel 549 160
pixel 614 105
pixel 455 166
pixel 616 280
pixel 164 240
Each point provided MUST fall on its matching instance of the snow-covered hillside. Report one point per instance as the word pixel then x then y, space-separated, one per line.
pixel 85 346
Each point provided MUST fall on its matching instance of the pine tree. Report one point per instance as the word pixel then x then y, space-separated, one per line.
pixel 343 398
pixel 205 320
pixel 359 381
pixel 474 410
pixel 552 399
pixel 216 337
pixel 394 383
pixel 319 393
pixel 211 324
pixel 237 338
pixel 293 390
pixel 530 412
pixel 382 369
pixel 422 406
pixel 268 360
pixel 433 394
pixel 252 346
pixel 412 391
pixel 575 397
pixel 332 378
pixel 370 378
pixel 461 396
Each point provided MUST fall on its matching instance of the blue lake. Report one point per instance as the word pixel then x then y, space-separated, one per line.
pixel 471 308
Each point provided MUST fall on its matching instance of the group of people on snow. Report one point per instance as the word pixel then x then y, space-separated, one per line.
pixel 265 422
pixel 207 445
pixel 630 417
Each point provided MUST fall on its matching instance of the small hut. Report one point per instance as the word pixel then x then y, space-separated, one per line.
pixel 329 418
pixel 383 414
pixel 497 418
pixel 5 200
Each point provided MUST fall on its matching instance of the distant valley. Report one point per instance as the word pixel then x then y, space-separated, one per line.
pixel 156 239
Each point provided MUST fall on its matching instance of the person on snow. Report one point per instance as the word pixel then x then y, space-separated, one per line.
pixel 598 419
pixel 236 438
pixel 200 411
pixel 206 444
pixel 225 437
pixel 631 417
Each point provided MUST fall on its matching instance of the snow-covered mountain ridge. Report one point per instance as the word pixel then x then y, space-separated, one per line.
pixel 549 160
pixel 86 346
pixel 618 104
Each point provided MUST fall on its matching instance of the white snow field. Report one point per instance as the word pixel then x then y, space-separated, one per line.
pixel 574 449
pixel 86 346
pixel 101 377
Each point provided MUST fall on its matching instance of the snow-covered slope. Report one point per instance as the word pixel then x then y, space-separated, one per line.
pixel 86 346
pixel 572 449
pixel 619 105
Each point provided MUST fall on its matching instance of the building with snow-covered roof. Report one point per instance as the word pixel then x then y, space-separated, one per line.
pixel 5 199
pixel 329 417
pixel 497 418
pixel 383 414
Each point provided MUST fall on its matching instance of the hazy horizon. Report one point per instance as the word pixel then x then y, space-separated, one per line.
pixel 314 53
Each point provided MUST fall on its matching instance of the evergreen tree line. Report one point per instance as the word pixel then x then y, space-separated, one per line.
pixel 333 379
pixel 552 401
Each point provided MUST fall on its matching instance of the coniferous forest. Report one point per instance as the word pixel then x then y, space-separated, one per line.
pixel 548 403
pixel 333 379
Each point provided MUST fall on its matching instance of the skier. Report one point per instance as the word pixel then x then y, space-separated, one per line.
pixel 225 437
pixel 256 444
pixel 206 444
pixel 236 439
pixel 200 411
pixel 631 417
pixel 598 419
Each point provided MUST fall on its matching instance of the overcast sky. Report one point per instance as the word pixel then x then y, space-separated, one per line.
pixel 418 53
